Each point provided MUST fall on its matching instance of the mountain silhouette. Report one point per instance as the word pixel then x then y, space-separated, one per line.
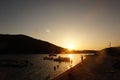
pixel 22 44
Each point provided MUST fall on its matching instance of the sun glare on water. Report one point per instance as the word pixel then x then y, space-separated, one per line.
pixel 70 56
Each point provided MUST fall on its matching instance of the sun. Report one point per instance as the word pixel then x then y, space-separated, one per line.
pixel 70 46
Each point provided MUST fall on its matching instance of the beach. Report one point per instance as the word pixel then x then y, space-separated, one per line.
pixel 98 67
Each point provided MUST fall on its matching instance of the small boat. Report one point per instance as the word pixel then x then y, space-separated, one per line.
pixel 48 58
pixel 62 59
pixel 52 54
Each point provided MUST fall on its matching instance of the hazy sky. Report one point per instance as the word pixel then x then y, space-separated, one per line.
pixel 85 24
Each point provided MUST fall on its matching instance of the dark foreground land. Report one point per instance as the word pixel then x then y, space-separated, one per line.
pixel 99 67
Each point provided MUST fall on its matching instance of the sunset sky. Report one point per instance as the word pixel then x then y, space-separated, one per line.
pixel 81 24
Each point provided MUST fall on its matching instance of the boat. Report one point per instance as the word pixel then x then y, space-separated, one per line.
pixel 62 59
pixel 52 54
pixel 47 58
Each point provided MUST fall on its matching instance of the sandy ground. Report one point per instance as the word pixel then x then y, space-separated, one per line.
pixel 93 68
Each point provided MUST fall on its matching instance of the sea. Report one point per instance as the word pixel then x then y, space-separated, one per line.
pixel 39 69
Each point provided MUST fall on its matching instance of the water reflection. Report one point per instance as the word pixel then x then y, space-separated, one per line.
pixel 70 56
pixel 75 59
pixel 41 69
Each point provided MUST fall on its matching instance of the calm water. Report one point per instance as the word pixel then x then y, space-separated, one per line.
pixel 40 70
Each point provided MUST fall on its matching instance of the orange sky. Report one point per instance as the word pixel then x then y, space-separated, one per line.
pixel 85 24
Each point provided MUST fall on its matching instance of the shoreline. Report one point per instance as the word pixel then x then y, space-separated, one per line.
pixel 92 68
pixel 63 76
pixel 69 73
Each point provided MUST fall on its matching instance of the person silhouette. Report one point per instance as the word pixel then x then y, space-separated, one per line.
pixel 81 58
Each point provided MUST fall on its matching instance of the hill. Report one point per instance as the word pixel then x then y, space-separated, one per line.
pixel 17 44
pixel 112 51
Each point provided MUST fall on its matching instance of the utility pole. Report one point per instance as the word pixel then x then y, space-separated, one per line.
pixel 110 44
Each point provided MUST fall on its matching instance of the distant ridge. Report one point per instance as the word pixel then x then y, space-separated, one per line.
pixel 112 51
pixel 18 44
